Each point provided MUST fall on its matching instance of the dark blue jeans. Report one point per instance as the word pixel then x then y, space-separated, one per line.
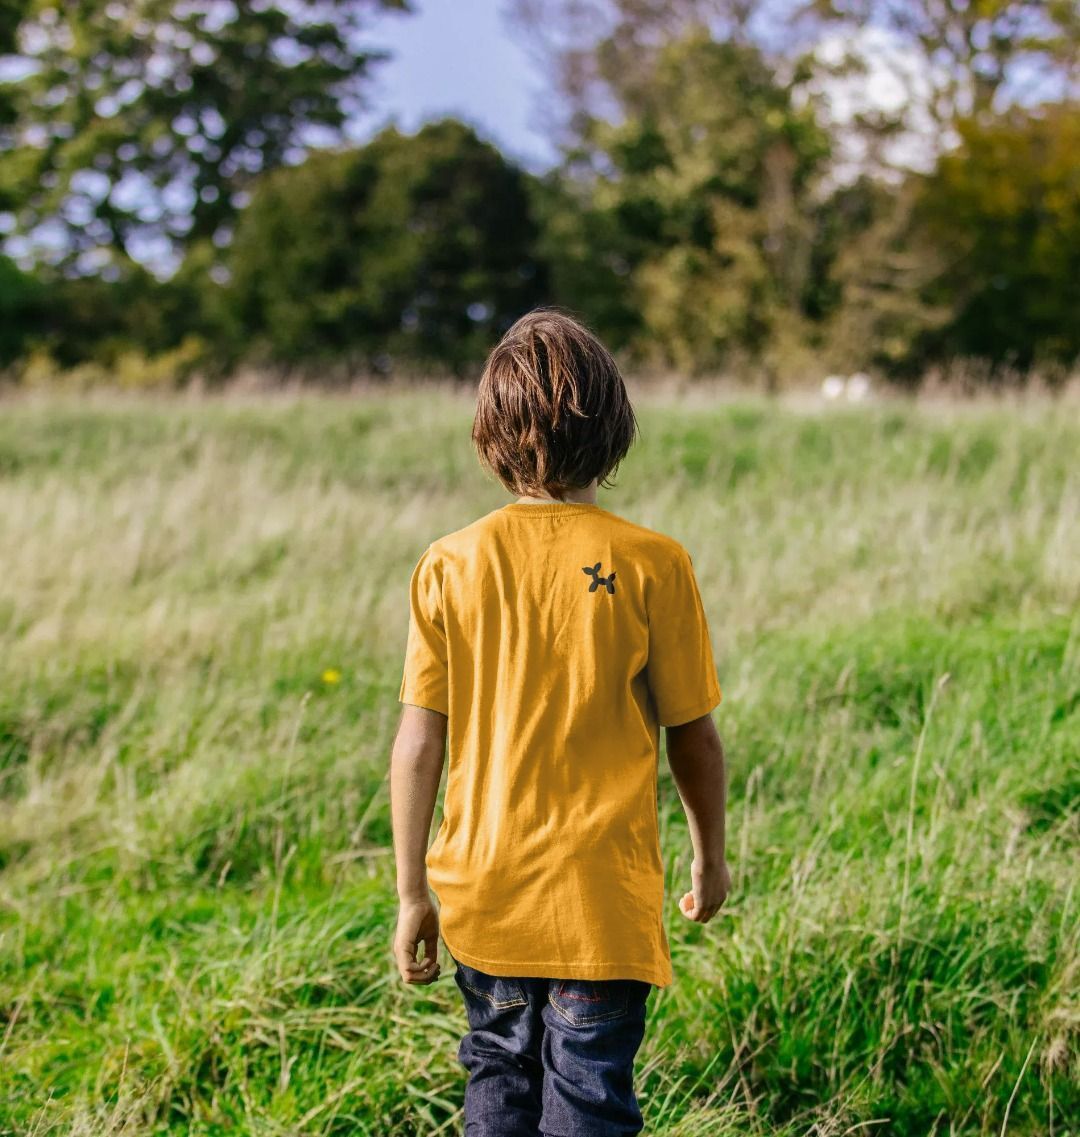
pixel 550 1057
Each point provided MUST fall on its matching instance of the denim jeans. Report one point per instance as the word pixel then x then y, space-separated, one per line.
pixel 550 1057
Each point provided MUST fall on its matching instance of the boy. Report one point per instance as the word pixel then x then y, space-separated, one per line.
pixel 549 640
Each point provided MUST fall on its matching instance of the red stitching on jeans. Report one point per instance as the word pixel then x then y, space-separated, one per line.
pixel 582 998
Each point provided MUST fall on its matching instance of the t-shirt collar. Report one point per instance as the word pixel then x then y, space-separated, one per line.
pixel 528 508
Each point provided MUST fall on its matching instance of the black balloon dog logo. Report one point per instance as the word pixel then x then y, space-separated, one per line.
pixel 594 572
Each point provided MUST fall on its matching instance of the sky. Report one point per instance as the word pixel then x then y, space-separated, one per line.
pixel 464 58
pixel 461 58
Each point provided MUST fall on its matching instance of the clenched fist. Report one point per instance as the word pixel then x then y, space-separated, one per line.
pixel 710 886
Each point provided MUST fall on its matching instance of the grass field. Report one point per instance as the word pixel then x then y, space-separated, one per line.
pixel 196 885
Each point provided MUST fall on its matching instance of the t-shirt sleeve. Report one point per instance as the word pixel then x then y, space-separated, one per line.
pixel 681 669
pixel 424 680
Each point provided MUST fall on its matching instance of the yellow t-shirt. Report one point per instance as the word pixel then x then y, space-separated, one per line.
pixel 557 639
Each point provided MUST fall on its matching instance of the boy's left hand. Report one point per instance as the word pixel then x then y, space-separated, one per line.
pixel 418 922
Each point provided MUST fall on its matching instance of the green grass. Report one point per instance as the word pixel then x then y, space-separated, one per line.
pixel 196 875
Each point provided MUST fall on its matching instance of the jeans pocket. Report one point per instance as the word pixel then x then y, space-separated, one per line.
pixel 585 1001
pixel 498 991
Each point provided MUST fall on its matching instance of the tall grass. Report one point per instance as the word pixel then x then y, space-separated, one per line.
pixel 196 886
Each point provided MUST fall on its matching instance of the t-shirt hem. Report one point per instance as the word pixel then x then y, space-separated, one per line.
pixel 548 970
pixel 688 714
pixel 419 699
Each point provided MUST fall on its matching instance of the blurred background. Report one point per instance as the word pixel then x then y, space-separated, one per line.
pixel 770 190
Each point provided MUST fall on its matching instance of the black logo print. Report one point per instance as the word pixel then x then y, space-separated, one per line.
pixel 594 572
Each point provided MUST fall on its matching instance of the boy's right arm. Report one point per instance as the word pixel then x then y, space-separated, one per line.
pixel 696 757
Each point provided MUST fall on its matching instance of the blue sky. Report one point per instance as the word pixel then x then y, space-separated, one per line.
pixel 464 58
pixel 460 57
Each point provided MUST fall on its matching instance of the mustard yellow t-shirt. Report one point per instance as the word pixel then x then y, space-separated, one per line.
pixel 557 639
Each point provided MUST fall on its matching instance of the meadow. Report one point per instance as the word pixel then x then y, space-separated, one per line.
pixel 203 608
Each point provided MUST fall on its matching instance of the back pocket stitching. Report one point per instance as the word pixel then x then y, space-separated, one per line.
pixel 562 991
pixel 518 1000
pixel 585 1020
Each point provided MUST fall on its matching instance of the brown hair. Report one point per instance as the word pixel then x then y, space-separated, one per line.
pixel 552 410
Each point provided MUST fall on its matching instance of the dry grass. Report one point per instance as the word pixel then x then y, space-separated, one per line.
pixel 195 880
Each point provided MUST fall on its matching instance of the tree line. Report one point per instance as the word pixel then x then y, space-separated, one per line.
pixel 179 194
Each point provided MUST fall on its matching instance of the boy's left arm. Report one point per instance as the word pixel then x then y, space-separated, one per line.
pixel 416 764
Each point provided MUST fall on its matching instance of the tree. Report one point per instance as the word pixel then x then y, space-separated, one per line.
pixel 872 269
pixel 11 13
pixel 415 247
pixel 593 50
pixel 590 252
pixel 23 310
pixel 973 53
pixel 692 197
pixel 1004 209
pixel 141 124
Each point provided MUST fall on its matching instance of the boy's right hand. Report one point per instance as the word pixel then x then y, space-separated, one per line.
pixel 710 887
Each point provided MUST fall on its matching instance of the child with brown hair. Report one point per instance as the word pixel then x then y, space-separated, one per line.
pixel 548 642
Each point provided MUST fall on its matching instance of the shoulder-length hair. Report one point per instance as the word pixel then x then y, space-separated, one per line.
pixel 552 412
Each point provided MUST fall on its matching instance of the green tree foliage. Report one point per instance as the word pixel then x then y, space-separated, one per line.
pixel 77 320
pixel 872 268
pixel 22 310
pixel 414 247
pixel 589 253
pixel 689 268
pixel 698 219
pixel 11 13
pixel 147 120
pixel 692 200
pixel 1005 211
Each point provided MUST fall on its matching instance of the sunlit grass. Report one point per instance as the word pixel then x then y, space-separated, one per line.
pixel 202 616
